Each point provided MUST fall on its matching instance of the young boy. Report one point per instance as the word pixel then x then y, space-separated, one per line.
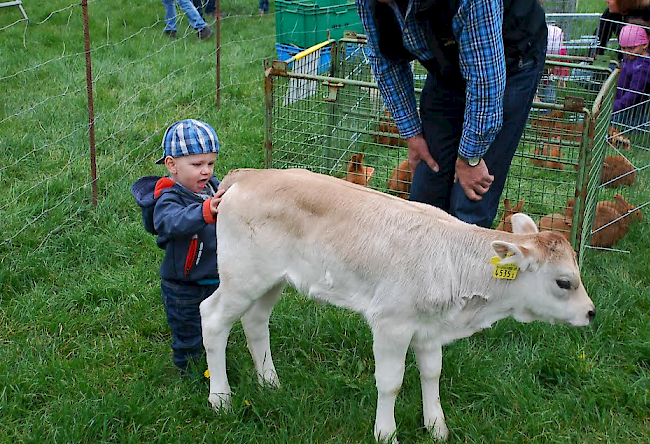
pixel 181 210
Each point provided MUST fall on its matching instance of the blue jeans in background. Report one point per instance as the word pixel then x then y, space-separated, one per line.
pixel 264 5
pixel 187 6
pixel 182 300
pixel 442 111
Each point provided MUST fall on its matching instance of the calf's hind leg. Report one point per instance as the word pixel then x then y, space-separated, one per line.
pixel 218 313
pixel 256 326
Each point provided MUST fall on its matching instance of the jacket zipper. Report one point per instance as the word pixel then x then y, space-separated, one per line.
pixel 191 254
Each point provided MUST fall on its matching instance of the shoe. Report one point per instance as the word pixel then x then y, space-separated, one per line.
pixel 171 34
pixel 205 33
pixel 262 12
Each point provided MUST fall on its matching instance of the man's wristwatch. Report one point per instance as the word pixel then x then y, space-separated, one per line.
pixel 471 161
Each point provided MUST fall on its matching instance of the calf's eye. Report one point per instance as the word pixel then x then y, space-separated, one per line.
pixel 563 284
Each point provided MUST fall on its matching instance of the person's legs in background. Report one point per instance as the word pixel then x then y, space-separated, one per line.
pixel 170 16
pixel 192 14
pixel 210 8
pixel 199 4
pixel 264 7
pixel 441 111
pixel 517 101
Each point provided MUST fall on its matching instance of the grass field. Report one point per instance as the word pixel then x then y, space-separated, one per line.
pixel 84 346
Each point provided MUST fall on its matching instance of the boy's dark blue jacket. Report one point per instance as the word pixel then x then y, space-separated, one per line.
pixel 185 227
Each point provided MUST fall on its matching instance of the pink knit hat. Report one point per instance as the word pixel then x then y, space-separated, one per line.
pixel 631 36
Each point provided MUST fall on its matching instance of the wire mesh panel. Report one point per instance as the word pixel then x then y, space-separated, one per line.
pixel 559 5
pixel 338 125
pixel 624 177
pixel 555 173
pixel 579 32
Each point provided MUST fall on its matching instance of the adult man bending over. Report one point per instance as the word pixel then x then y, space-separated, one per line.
pixel 484 60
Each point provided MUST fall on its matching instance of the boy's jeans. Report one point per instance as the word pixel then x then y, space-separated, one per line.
pixel 187 6
pixel 181 302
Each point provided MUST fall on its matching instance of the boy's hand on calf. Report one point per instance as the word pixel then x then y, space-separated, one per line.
pixel 215 201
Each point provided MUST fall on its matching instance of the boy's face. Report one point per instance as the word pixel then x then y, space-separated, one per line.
pixel 192 171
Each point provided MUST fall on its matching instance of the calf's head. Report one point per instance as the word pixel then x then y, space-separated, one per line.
pixel 548 287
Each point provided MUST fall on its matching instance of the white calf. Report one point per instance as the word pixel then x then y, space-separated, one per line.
pixel 420 277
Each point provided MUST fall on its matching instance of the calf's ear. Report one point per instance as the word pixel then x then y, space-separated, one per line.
pixel 515 254
pixel 523 224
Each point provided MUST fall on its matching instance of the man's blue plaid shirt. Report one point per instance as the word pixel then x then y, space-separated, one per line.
pixel 477 28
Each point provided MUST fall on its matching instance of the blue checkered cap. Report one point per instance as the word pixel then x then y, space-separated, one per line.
pixel 187 137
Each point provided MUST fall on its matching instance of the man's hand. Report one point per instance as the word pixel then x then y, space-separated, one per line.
pixel 419 151
pixel 215 201
pixel 475 181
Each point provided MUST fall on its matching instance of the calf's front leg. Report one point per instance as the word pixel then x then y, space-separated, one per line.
pixel 428 356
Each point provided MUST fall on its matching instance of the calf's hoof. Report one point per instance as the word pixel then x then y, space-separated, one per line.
pixel 269 379
pixel 439 431
pixel 219 401
pixel 386 438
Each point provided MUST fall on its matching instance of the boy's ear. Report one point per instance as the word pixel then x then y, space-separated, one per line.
pixel 170 164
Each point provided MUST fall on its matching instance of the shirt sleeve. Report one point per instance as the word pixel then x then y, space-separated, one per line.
pixel 394 78
pixel 638 82
pixel 477 27
pixel 174 219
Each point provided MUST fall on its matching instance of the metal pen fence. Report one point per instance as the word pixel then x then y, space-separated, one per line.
pixel 333 121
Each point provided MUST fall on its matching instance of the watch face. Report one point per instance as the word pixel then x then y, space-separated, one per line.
pixel 473 161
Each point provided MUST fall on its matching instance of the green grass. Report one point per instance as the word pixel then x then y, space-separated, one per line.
pixel 84 346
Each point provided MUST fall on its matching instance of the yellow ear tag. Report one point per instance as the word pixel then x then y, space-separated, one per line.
pixel 504 271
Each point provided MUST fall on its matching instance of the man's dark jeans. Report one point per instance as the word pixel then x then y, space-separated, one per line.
pixel 442 111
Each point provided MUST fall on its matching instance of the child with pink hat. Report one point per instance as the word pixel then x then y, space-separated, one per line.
pixel 632 100
pixel 556 75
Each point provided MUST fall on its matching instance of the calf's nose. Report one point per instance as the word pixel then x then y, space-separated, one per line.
pixel 591 314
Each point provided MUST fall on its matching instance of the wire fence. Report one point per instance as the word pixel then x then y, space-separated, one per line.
pixel 142 81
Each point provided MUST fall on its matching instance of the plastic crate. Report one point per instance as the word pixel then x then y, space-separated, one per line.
pixel 285 52
pixel 305 24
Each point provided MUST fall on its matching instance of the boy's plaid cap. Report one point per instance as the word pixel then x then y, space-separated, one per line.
pixel 187 137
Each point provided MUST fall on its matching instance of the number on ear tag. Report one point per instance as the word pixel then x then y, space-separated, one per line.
pixel 503 271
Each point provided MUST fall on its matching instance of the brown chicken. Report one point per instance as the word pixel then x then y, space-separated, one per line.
pixel 386 125
pixel 617 172
pixel 552 126
pixel 556 222
pixel 504 223
pixel 548 150
pixel 400 180
pixel 357 172
pixel 613 232
pixel 618 140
